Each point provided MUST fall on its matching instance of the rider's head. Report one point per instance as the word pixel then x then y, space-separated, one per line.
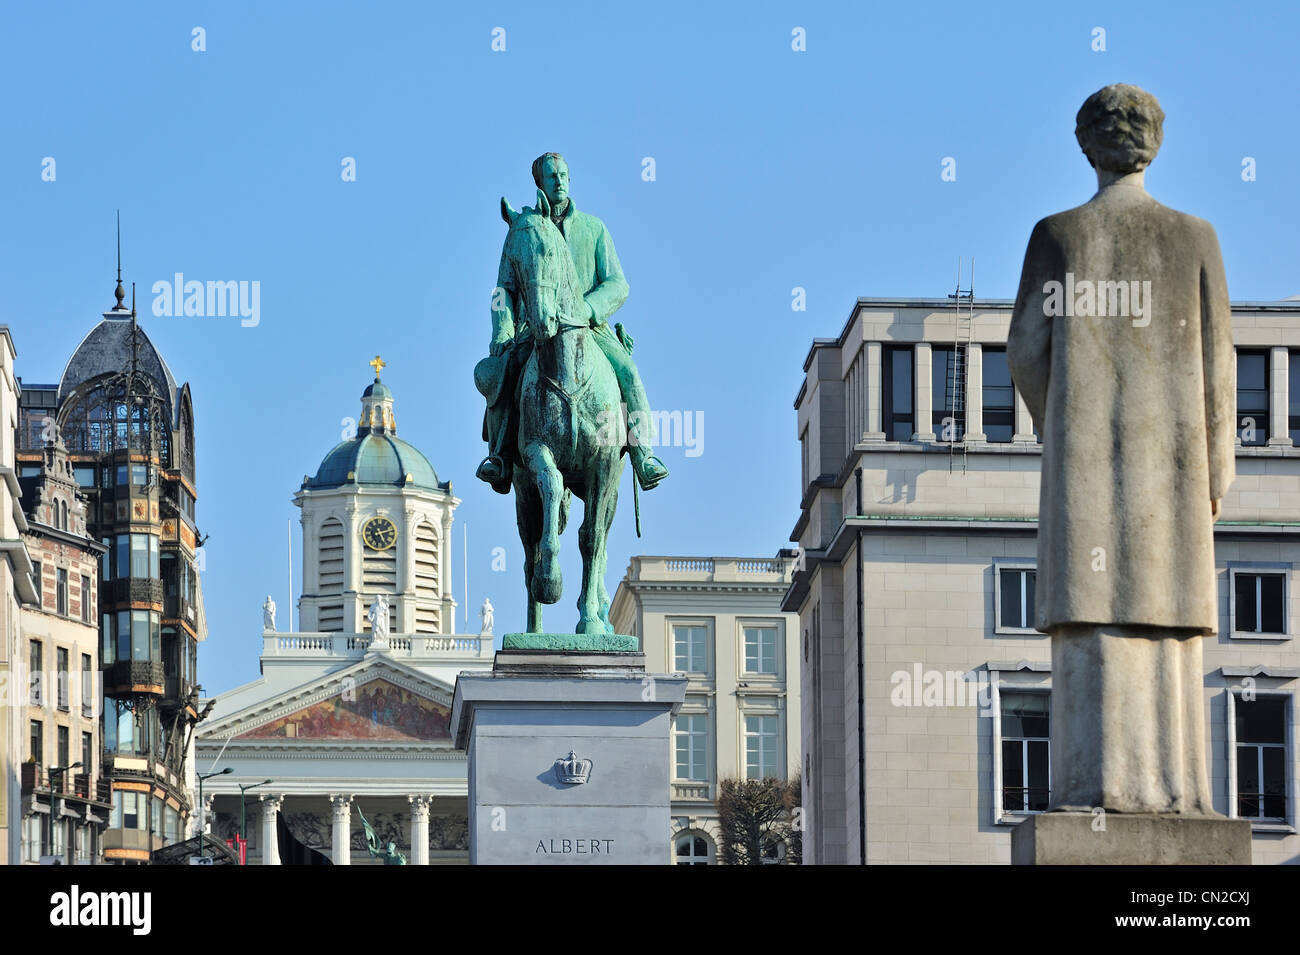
pixel 551 173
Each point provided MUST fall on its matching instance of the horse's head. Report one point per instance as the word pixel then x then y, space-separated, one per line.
pixel 543 270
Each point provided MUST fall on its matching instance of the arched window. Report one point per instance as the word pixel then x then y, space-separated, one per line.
pixel 63 508
pixel 693 848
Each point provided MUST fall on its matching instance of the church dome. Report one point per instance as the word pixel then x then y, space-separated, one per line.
pixel 376 456
pixel 375 459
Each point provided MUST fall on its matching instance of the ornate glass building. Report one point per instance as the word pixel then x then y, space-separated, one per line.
pixel 128 428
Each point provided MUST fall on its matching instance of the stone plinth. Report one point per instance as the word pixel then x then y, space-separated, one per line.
pixel 1074 838
pixel 608 803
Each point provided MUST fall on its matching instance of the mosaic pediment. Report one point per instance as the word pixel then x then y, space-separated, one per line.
pixel 377 710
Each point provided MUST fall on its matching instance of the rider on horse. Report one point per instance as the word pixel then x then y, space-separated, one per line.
pixel 605 290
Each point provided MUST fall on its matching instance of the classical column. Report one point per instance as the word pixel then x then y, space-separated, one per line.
pixel 270 834
pixel 419 829
pixel 1024 421
pixel 1279 429
pixel 974 392
pixel 342 829
pixel 924 401
pixel 875 430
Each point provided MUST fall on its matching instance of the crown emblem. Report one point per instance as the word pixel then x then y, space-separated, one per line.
pixel 571 770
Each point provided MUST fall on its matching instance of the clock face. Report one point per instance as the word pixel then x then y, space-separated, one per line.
pixel 379 533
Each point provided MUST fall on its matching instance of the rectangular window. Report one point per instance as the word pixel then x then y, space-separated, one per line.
pixel 999 397
pixel 122 551
pixel 36 664
pixel 139 555
pixel 1261 758
pixel 106 559
pixel 85 474
pixel 86 599
pixel 691 736
pixel 690 649
pixel 87 685
pixel 37 582
pixel 132 817
pixel 1293 397
pixel 760 650
pixel 61 690
pixel 123 629
pixel 61 592
pixel 36 743
pixel 121 475
pixel 898 419
pixel 1016 598
pixel 761 745
pixel 62 745
pixel 139 634
pixel 1252 397
pixel 1259 602
pixel 108 644
pixel 948 393
pixel 139 475
pixel 87 754
pixel 1026 766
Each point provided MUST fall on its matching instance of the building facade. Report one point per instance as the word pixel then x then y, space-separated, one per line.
pixel 718 621
pixel 350 718
pixel 16 588
pixel 925 687
pixel 128 428
pixel 66 799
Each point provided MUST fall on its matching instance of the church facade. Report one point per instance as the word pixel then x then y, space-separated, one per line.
pixel 350 718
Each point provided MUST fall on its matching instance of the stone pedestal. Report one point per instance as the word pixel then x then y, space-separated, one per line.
pixel 1076 838
pixel 568 758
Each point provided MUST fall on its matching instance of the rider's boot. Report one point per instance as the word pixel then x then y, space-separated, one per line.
pixel 649 469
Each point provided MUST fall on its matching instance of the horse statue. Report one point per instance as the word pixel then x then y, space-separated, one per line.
pixel 567 398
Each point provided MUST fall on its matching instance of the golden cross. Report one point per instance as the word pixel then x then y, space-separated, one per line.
pixel 377 365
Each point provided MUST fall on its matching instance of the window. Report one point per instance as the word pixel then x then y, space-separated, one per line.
pixel 999 397
pixel 63 514
pixel 61 690
pixel 144 555
pixel 760 650
pixel 761 747
pixel 37 583
pixel 1252 397
pixel 87 754
pixel 898 419
pixel 85 475
pixel 132 814
pixel 122 556
pixel 36 743
pixel 947 388
pixel 691 738
pixel 62 745
pixel 690 649
pixel 1026 770
pixel 123 631
pixel 108 640
pixel 1015 597
pixel 86 597
pixel 693 848
pixel 36 664
pixel 1261 757
pixel 61 592
pixel 1293 400
pixel 87 687
pixel 1259 603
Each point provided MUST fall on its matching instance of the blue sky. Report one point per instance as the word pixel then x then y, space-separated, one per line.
pixel 773 169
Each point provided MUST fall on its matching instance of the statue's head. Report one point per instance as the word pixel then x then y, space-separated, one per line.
pixel 551 173
pixel 1120 128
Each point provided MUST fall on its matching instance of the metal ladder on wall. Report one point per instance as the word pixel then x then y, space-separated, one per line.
pixel 955 388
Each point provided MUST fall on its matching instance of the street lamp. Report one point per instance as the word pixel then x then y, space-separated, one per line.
pixel 203 849
pixel 52 770
pixel 243 809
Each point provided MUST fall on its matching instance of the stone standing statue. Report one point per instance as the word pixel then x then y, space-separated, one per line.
pixel 488 615
pixel 378 617
pixel 555 377
pixel 268 614
pixel 1121 343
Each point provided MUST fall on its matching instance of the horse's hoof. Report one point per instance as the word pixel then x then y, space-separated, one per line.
pixel 548 582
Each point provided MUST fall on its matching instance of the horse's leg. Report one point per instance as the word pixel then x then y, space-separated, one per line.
pixel 589 600
pixel 547 582
pixel 528 516
pixel 606 504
